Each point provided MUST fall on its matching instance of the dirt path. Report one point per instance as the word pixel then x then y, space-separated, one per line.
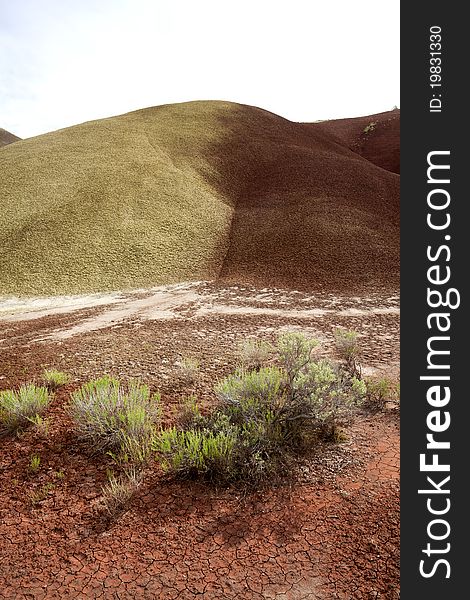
pixel 183 301
pixel 330 531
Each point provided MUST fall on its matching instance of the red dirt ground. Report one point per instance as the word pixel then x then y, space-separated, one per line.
pixel 329 530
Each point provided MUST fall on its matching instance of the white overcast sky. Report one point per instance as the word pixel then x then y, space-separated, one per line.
pixel 63 62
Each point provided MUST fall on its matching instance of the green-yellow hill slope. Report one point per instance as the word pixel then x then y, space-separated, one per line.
pixel 117 203
pixel 193 191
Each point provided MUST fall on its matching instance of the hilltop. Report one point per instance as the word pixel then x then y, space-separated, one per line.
pixel 375 137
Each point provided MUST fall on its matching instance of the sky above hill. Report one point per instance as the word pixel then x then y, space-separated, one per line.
pixel 63 62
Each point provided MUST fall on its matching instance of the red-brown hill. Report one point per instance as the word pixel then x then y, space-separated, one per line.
pixel 375 137
pixel 7 138
pixel 310 212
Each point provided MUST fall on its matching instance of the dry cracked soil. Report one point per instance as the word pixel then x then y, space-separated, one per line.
pixel 328 530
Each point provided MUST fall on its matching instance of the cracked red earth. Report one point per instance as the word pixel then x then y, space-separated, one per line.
pixel 330 530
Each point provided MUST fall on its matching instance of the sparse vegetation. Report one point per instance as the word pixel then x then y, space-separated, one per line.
pixel 156 241
pixel 34 463
pixel 116 418
pixel 40 424
pixel 187 370
pixel 349 350
pixel 274 226
pixel 41 494
pixel 370 127
pixel 264 415
pixel 55 379
pixel 253 354
pixel 52 239
pixel 117 492
pixel 380 391
pixel 19 408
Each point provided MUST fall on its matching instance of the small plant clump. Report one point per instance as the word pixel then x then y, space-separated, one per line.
pixel 379 392
pixel 116 418
pixel 348 347
pixel 370 127
pixel 18 409
pixel 41 494
pixel 188 370
pixel 253 354
pixel 41 425
pixel 34 463
pixel 55 379
pixel 264 416
pixel 117 492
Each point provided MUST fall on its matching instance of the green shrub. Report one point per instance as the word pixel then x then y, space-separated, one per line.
pixel 379 392
pixel 264 385
pixel 253 401
pixel 263 416
pixel 193 452
pixel 349 350
pixel 134 449
pixel 34 463
pixel 295 352
pixel 55 379
pixel 253 354
pixel 310 396
pixel 18 409
pixel 116 418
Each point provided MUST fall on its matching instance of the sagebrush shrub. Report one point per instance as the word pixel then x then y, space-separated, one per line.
pixel 253 401
pixel 263 416
pixel 265 385
pixel 113 417
pixel 320 395
pixel 18 409
pixel 348 347
pixel 295 352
